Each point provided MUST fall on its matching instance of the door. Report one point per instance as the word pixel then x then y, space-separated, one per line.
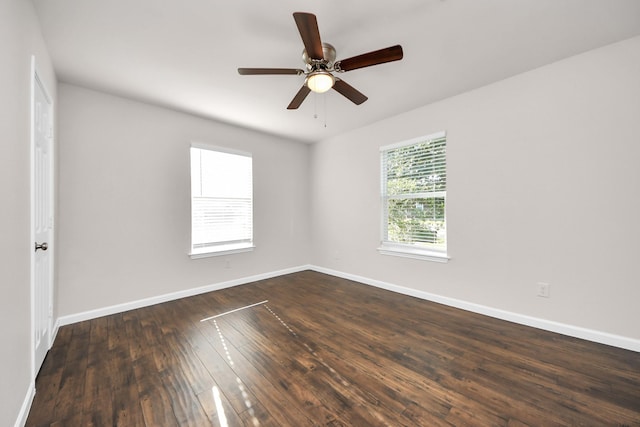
pixel 42 219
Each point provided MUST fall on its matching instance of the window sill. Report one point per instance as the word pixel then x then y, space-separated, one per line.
pixel 414 253
pixel 221 250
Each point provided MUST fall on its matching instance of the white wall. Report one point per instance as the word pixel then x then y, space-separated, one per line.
pixel 19 39
pixel 543 186
pixel 124 207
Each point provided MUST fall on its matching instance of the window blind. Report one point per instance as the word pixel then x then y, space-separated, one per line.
pixel 414 184
pixel 221 200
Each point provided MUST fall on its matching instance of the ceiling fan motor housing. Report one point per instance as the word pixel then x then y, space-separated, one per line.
pixel 329 54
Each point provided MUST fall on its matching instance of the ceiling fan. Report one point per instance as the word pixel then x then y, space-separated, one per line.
pixel 321 64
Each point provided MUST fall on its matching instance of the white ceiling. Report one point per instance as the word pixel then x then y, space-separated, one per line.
pixel 185 54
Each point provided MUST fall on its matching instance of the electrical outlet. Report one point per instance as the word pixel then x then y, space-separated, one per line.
pixel 543 290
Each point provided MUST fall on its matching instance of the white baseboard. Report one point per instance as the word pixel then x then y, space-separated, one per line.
pixel 120 308
pixel 547 325
pixel 26 406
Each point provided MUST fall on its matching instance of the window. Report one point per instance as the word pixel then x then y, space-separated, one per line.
pixel 414 192
pixel 221 201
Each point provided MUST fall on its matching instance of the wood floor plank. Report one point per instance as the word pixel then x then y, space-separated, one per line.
pixel 218 409
pixel 124 389
pixel 291 382
pixel 256 381
pixel 324 351
pixel 70 398
pixel 226 379
pixel 185 405
pixel 126 407
pixel 97 409
pixel 217 363
pixel 257 415
pixel 308 378
pixel 366 370
pixel 399 387
pixel 43 406
pixel 155 401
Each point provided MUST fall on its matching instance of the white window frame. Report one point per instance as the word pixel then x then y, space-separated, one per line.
pixel 222 247
pixel 406 250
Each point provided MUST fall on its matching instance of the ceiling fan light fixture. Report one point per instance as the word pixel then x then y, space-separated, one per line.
pixel 320 81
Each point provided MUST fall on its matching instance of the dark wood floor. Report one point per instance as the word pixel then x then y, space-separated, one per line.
pixel 327 351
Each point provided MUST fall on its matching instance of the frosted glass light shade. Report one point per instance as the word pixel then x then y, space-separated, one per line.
pixel 320 81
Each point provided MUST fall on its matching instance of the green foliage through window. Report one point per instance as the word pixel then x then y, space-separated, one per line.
pixel 414 184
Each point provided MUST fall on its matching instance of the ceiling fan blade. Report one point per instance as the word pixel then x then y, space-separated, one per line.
pixel 349 91
pixel 389 54
pixel 257 71
pixel 308 28
pixel 300 96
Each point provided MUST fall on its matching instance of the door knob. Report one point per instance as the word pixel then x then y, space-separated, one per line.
pixel 44 246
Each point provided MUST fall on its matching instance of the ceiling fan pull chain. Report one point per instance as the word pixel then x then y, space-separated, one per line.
pixel 315 105
pixel 325 110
